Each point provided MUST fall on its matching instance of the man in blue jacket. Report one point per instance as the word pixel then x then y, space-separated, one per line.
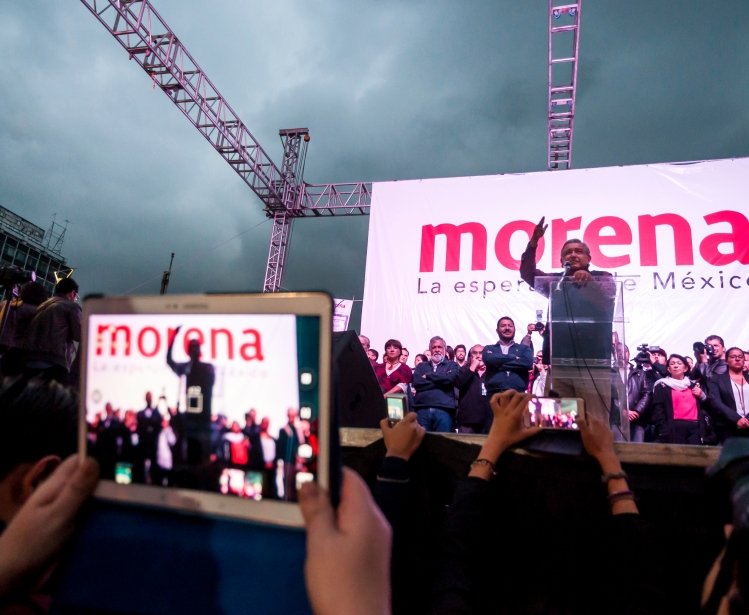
pixel 508 363
pixel 434 382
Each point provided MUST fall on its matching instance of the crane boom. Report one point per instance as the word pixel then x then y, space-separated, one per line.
pixel 564 38
pixel 146 37
pixel 148 40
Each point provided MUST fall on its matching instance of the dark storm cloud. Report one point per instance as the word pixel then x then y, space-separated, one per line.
pixel 389 90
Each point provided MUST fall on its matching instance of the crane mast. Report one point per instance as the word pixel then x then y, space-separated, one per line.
pixel 148 40
pixel 564 37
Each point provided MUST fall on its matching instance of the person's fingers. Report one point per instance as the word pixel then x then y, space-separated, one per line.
pixel 83 482
pixel 525 434
pixel 357 505
pixel 316 509
pixel 585 432
pixel 410 417
pixel 385 424
pixel 520 403
pixel 49 490
pixel 499 400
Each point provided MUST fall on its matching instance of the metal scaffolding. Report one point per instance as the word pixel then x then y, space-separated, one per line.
pixel 149 41
pixel 564 36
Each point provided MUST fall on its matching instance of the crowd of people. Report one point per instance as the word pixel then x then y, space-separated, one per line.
pixel 656 397
pixel 700 399
pixel 354 560
pixel 150 446
pixel 39 334
pixel 354 552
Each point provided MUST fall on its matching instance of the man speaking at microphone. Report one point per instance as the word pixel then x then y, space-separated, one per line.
pixel 581 353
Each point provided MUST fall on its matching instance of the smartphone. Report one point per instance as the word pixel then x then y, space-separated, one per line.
pixel 123 473
pixel 397 405
pixel 559 418
pixel 556 412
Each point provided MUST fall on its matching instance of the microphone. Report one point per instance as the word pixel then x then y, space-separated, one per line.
pixel 567 268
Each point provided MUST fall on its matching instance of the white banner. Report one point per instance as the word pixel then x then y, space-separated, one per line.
pixel 443 254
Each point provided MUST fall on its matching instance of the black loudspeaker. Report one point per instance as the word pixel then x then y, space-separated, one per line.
pixel 359 397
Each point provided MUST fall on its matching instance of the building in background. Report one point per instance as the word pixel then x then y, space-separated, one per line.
pixel 25 245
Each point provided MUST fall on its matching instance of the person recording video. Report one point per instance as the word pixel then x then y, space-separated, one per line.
pixel 710 359
pixel 640 382
pixel 581 375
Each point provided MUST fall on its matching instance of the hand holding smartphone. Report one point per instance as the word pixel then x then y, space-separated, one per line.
pixel 559 418
pixel 397 405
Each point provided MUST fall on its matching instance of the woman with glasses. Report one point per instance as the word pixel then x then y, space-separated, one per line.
pixel 677 407
pixel 729 397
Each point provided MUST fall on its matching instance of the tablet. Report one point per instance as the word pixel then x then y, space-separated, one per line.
pixel 209 404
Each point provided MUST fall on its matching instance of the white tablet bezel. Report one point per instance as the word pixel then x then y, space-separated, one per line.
pixel 275 512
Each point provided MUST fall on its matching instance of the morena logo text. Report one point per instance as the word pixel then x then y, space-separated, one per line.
pixel 610 231
pixel 148 341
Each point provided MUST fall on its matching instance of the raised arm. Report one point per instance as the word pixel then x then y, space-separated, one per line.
pixel 528 271
pixel 176 368
pixel 599 442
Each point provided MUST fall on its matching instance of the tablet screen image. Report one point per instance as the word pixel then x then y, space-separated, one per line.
pixel 208 403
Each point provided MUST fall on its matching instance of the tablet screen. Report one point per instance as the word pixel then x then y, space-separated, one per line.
pixel 220 403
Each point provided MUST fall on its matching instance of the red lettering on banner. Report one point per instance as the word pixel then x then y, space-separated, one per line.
pixel 156 342
pixel 115 340
pixel 214 342
pixel 739 237
pixel 560 232
pixel 682 233
pixel 453 235
pixel 502 242
pixel 622 236
pixel 253 349
pixel 114 334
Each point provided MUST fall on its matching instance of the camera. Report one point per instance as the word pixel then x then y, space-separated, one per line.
pixel 647 348
pixel 539 325
pixel 11 275
pixel 699 348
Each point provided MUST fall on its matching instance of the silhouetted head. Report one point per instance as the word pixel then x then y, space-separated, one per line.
pixel 193 349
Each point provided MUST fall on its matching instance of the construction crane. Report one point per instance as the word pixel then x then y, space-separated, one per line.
pixel 149 41
pixel 564 38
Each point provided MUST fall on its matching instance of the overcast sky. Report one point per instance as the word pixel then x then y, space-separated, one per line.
pixel 389 90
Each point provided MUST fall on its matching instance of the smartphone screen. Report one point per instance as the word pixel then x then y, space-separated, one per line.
pixel 396 404
pixel 555 412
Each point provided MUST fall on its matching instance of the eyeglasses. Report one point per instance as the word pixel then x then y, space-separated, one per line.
pixel 735 356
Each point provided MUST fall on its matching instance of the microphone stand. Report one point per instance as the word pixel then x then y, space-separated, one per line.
pixel 567 267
